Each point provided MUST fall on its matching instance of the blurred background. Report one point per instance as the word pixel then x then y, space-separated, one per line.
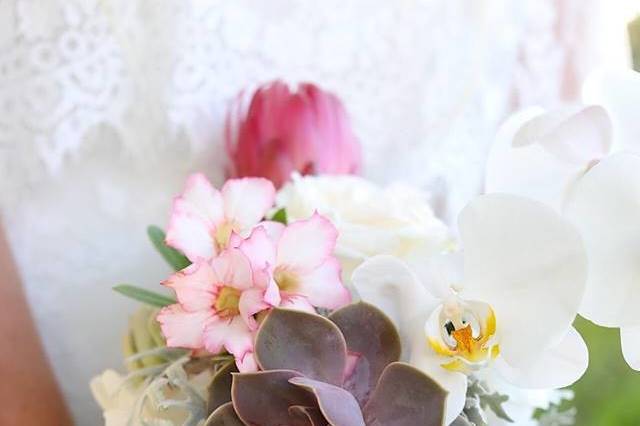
pixel 106 105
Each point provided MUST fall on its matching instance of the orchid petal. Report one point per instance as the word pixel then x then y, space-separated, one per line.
pixel 323 286
pixel 557 367
pixel 247 200
pixel 193 286
pixel 521 255
pixel 181 328
pixel 630 340
pixel 517 166
pixel 387 283
pixel 306 244
pixel 605 208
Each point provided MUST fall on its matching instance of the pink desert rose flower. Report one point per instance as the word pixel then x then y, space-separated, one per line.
pixel 283 131
pixel 217 300
pixel 298 262
pixel 203 218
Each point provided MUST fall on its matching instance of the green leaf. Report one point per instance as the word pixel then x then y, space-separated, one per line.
pixel 144 295
pixel 176 259
pixel 280 216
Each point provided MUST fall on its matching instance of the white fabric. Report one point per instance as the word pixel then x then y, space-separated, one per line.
pixel 105 105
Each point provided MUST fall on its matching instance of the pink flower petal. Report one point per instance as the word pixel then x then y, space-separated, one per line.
pixel 323 286
pixel 306 244
pixel 274 229
pixel 251 302
pixel 232 268
pixel 189 233
pixel 194 286
pixel 247 364
pixel 181 328
pixel 204 198
pixel 299 303
pixel 259 248
pixel 247 200
pixel 232 334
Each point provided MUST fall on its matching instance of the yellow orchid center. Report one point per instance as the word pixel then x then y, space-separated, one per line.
pixel 228 302
pixel 466 336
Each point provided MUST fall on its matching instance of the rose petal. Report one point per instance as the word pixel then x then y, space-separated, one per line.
pixel 247 200
pixel 521 255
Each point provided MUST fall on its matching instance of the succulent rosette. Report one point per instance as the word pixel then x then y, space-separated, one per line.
pixel 342 370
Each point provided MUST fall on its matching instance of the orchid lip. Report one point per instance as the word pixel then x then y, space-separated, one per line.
pixel 466 335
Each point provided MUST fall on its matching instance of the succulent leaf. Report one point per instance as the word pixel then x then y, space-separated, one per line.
pixel 405 396
pixel 307 343
pixel 224 415
pixel 337 405
pixel 264 398
pixel 219 388
pixel 374 341
pixel 307 416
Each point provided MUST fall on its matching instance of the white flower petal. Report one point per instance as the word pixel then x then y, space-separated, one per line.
pixel 605 207
pixel 529 264
pixel 618 91
pixel 386 282
pixel 194 286
pixel 518 166
pixel 557 367
pixel 247 200
pixel 203 198
pixel 455 384
pixel 190 233
pixel 630 340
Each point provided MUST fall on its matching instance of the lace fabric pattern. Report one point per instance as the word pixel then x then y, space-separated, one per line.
pixel 105 105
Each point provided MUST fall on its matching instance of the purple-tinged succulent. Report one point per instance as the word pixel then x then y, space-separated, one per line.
pixel 340 371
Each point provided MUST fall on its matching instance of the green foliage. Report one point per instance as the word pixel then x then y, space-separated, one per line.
pixel 176 259
pixel 145 296
pixel 609 392
pixel 280 216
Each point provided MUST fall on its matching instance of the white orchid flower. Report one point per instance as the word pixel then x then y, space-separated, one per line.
pixel 599 193
pixel 506 304
pixel 605 207
pixel 541 155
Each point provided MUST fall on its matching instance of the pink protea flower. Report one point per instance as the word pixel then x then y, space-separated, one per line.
pixel 283 131
pixel 299 260
pixel 216 304
pixel 203 218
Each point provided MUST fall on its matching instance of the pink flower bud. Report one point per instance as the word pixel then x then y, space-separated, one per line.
pixel 283 131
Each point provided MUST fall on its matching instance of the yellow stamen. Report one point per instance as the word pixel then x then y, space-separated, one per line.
pixel 228 301
pixel 286 280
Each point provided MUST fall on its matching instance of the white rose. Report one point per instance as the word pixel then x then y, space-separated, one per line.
pixel 370 219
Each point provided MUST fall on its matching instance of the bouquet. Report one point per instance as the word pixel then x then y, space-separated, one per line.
pixel 334 301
